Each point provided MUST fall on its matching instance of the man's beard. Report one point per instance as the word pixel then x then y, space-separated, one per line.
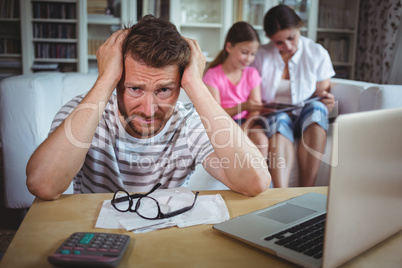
pixel 145 130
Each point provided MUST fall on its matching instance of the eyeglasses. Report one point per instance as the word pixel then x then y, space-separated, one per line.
pixel 146 207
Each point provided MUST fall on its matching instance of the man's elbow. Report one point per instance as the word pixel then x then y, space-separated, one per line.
pixel 259 184
pixel 41 190
pixel 258 188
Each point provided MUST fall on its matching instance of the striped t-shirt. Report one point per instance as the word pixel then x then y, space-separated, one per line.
pixel 116 160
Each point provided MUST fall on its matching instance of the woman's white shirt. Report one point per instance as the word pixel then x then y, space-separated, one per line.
pixel 284 93
pixel 310 64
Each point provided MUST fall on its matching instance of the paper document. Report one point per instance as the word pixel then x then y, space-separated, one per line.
pixel 208 209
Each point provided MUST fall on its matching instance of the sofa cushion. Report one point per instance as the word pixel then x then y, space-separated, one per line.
pixel 347 93
pixel 24 125
pixel 28 105
pixel 381 97
pixel 75 84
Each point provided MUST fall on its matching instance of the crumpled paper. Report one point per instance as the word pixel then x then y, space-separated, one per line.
pixel 208 209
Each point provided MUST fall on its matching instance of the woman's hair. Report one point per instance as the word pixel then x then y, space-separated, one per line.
pixel 281 17
pixel 156 42
pixel 239 32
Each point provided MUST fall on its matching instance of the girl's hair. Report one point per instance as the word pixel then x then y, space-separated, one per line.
pixel 239 32
pixel 279 18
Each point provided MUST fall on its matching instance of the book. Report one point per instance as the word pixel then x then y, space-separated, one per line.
pixel 278 107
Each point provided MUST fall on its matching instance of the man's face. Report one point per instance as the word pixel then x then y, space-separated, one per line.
pixel 147 97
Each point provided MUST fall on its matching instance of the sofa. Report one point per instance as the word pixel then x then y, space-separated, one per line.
pixel 29 102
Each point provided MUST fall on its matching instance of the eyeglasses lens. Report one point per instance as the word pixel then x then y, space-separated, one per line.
pixel 121 201
pixel 147 207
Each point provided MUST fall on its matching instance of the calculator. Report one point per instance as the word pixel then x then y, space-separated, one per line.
pixel 91 249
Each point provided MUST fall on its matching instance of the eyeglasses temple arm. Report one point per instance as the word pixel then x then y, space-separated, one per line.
pixel 182 210
pixel 134 196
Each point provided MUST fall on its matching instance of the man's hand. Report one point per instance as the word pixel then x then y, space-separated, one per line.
pixel 110 58
pixel 195 68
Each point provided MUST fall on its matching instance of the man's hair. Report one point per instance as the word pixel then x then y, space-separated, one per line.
pixel 281 17
pixel 156 42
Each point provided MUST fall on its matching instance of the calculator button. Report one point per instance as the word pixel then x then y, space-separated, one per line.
pixel 87 238
pixel 65 251
pixel 77 252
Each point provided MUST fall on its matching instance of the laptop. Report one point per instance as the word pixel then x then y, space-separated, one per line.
pixel 364 201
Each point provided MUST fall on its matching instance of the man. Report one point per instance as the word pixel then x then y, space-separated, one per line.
pixel 141 135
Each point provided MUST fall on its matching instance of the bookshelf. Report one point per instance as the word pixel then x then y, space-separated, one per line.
pixel 10 38
pixel 337 32
pixel 206 21
pixel 63 35
pixel 253 11
pixel 53 35
pixel 100 19
pixel 332 23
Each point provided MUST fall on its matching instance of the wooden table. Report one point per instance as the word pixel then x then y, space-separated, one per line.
pixel 49 223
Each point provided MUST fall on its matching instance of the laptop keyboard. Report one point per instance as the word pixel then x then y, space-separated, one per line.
pixel 306 238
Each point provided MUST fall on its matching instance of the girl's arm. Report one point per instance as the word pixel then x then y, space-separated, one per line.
pixel 255 98
pixel 252 105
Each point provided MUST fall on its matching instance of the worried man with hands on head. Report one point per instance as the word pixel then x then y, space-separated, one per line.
pixel 141 135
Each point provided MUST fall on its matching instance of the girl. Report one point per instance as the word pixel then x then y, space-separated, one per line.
pixel 235 85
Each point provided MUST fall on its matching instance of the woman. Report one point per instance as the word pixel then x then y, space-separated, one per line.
pixel 293 69
pixel 235 85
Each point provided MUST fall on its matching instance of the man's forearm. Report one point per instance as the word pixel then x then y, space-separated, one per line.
pixel 57 160
pixel 221 129
pixel 244 166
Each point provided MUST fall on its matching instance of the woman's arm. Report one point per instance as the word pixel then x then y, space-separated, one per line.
pixel 323 90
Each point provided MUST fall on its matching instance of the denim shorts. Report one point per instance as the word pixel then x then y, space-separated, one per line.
pixel 240 121
pixel 292 126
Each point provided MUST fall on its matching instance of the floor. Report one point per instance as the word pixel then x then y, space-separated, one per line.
pixel 5 239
